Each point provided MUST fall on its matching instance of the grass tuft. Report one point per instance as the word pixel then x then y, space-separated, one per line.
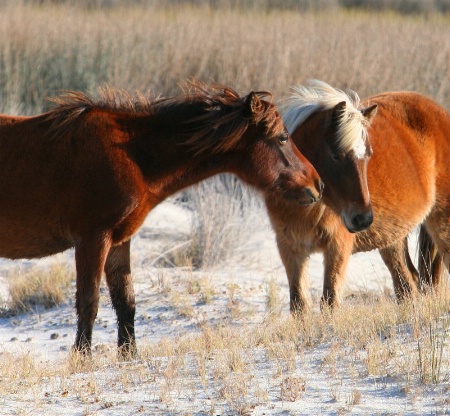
pixel 38 288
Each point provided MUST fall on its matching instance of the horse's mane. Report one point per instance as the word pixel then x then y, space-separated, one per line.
pixel 226 116
pixel 218 123
pixel 69 105
pixel 318 95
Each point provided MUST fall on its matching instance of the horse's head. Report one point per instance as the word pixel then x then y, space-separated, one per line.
pixel 341 154
pixel 334 139
pixel 272 161
pixel 246 136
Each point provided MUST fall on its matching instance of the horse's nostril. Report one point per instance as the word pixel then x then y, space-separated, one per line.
pixel 362 220
pixel 321 186
pixel 313 194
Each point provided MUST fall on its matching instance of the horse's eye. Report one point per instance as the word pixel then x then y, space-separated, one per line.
pixel 284 138
pixel 334 156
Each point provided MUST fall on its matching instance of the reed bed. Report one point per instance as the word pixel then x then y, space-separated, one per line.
pixel 49 47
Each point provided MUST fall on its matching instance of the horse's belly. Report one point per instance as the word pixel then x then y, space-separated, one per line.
pixel 376 237
pixel 394 219
pixel 19 251
pixel 30 243
pixel 32 251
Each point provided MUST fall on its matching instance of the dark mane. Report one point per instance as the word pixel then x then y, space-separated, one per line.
pixel 69 105
pixel 223 115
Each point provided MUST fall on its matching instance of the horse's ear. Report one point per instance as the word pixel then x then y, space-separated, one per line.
pixel 252 104
pixel 338 109
pixel 369 112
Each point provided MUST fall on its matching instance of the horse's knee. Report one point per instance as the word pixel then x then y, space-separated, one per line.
pixel 118 275
pixel 123 299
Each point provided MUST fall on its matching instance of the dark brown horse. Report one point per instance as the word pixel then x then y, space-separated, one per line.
pixel 87 173
pixel 408 143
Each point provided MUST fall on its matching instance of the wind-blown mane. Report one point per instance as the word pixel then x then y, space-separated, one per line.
pixel 318 95
pixel 220 122
pixel 226 116
pixel 69 105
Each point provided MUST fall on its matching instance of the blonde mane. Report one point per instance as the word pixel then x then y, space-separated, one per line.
pixel 318 95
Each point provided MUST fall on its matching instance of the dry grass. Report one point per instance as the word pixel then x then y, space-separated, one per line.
pixel 38 288
pixel 47 48
pixel 222 211
pixel 239 368
pixel 292 388
pixel 273 301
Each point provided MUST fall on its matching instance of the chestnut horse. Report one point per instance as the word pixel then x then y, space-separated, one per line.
pixel 408 143
pixel 86 174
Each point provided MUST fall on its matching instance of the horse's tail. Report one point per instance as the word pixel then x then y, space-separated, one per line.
pixel 430 261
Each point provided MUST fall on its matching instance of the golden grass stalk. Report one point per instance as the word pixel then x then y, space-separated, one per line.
pixel 39 288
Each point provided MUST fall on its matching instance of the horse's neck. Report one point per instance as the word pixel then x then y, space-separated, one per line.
pixel 187 174
pixel 169 164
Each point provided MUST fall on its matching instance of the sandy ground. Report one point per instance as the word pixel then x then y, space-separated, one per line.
pixel 48 335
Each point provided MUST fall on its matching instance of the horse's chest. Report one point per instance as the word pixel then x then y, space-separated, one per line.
pixel 131 223
pixel 311 231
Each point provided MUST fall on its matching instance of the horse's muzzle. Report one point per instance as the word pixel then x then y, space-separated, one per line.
pixel 358 221
pixel 310 195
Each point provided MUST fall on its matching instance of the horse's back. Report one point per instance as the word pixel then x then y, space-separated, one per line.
pixel 415 111
pixel 410 140
pixel 7 120
pixel 419 125
pixel 57 185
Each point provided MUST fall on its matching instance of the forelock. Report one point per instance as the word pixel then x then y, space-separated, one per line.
pixel 318 95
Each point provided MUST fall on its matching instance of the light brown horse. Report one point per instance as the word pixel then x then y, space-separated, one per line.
pixel 408 143
pixel 87 173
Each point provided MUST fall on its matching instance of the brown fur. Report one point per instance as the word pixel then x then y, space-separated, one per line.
pixel 409 183
pixel 431 265
pixel 87 173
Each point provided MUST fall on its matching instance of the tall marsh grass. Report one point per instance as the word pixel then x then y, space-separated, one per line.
pixel 48 47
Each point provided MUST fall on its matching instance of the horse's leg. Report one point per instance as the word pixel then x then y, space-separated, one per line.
pixel 437 226
pixel 90 256
pixel 336 257
pixel 295 259
pixel 118 276
pixel 405 276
